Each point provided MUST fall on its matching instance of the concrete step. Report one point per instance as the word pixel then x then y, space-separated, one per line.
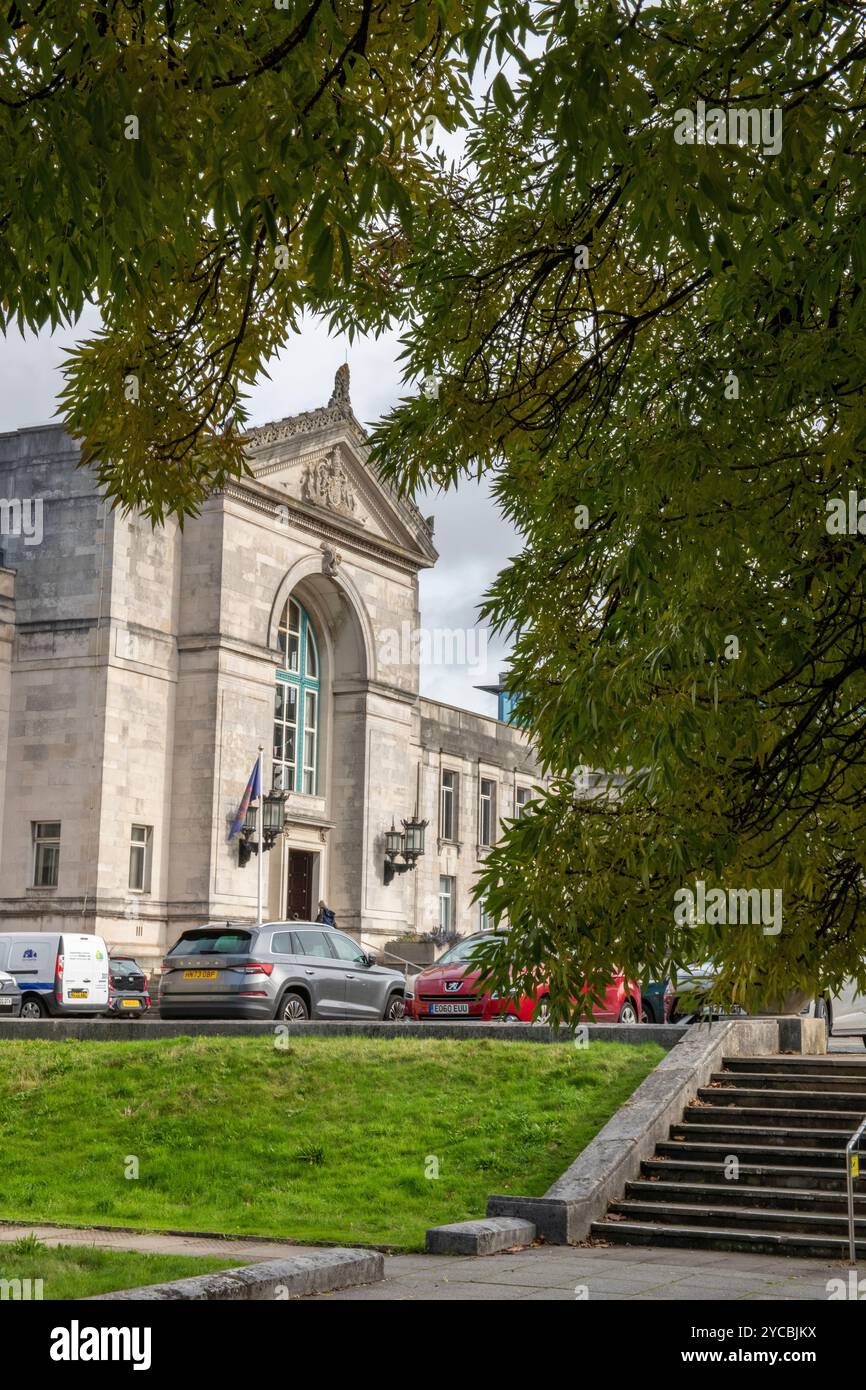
pixel 751 1115
pixel 773 1136
pixel 728 1216
pixel 774 1097
pixel 775 1175
pixel 817 1083
pixel 722 1238
pixel 737 1194
pixel 806 1136
pixel 832 1065
pixel 711 1147
pixel 487 1236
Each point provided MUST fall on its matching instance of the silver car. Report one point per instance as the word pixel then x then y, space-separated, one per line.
pixel 282 970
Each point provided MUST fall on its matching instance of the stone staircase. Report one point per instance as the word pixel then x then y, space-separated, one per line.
pixel 786 1120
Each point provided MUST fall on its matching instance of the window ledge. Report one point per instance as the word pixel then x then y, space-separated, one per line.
pixel 41 888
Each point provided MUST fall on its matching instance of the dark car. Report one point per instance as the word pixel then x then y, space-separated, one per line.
pixel 657 1001
pixel 10 996
pixel 128 993
pixel 282 970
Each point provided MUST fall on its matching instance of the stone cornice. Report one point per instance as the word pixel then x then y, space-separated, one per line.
pixel 308 422
pixel 324 524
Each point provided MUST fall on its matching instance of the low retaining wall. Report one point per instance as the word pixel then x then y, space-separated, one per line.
pixel 120 1030
pixel 564 1214
pixel 273 1279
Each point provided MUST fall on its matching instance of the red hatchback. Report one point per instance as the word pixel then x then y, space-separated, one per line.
pixel 449 989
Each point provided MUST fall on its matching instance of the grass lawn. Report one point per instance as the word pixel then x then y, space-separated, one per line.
pixel 329 1140
pixel 73 1271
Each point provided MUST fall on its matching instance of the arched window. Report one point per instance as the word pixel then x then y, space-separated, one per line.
pixel 296 711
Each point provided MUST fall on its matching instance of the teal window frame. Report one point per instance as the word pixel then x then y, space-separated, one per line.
pixel 303 683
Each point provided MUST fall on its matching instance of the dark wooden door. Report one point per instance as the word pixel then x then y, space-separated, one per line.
pixel 299 906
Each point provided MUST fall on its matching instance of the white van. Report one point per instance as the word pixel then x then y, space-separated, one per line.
pixel 844 1014
pixel 58 973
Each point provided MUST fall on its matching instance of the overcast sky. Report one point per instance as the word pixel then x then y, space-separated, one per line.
pixel 472 538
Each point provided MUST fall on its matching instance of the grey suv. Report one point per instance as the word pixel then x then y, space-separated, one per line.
pixel 285 970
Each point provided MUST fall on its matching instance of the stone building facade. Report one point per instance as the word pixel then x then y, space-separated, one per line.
pixel 141 668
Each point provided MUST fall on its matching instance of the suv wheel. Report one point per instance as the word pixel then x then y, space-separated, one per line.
pixel 395 1009
pixel 293 1008
pixel 33 1008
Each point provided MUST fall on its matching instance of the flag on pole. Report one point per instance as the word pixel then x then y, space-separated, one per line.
pixel 253 789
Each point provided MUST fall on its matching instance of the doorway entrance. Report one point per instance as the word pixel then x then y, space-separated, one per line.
pixel 299 897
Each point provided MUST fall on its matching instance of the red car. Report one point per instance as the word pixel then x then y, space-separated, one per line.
pixel 448 989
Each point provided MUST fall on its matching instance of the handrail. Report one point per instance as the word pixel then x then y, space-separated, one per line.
pixel 849 1182
pixel 393 956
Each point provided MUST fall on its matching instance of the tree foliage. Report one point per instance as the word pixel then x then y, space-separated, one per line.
pixel 695 381
pixel 202 171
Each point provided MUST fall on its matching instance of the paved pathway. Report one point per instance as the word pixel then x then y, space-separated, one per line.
pixel 561 1273
pixel 552 1272
pixel 152 1243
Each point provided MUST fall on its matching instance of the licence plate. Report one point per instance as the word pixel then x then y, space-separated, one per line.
pixel 7 1000
pixel 130 1003
pixel 199 974
pixel 449 1008
pixel 78 994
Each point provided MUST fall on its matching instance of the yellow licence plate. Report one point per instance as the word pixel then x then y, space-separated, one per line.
pixel 199 974
pixel 130 1003
pixel 78 994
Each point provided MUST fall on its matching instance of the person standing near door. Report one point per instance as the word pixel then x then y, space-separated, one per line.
pixel 326 914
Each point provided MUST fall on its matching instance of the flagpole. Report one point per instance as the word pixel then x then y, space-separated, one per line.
pixel 261 854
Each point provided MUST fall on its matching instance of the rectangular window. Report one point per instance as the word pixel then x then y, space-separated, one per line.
pixel 46 853
pixel 487 812
pixel 139 858
pixel 285 735
pixel 448 805
pixel 522 798
pixel 447 895
pixel 485 921
pixel 311 710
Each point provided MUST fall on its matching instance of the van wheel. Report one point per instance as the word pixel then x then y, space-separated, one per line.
pixel 822 1012
pixel 293 1008
pixel 33 1007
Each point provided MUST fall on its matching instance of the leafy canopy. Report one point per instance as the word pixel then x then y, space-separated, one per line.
pixel 694 379
pixel 202 171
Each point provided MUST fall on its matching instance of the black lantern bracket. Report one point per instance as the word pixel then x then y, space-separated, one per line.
pixel 273 824
pixel 406 845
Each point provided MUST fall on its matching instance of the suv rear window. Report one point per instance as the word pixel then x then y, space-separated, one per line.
pixel 212 942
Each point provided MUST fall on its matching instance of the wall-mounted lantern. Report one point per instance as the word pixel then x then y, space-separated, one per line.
pixel 406 844
pixel 273 822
